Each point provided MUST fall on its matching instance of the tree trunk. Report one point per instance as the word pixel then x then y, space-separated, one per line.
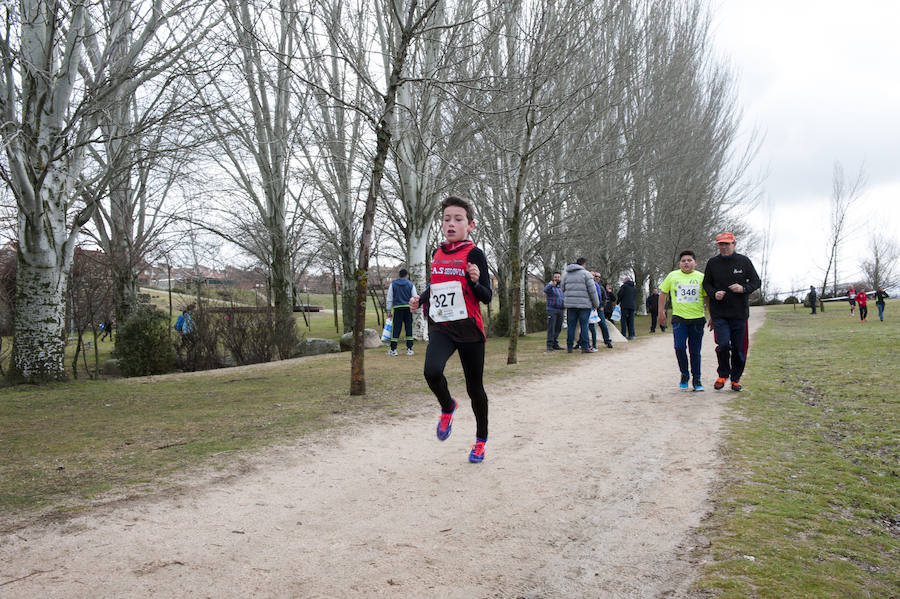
pixel 515 265
pixel 382 147
pixel 416 265
pixel 39 342
pixel 357 360
pixel 282 292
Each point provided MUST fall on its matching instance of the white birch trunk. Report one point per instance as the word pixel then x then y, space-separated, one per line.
pixel 44 258
pixel 416 267
pixel 522 291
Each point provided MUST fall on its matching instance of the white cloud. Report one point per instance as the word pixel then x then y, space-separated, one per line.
pixel 818 79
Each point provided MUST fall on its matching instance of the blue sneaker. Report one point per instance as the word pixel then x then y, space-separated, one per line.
pixel 476 456
pixel 445 424
pixel 698 386
pixel 683 384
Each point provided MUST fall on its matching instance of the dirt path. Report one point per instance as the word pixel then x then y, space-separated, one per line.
pixel 592 482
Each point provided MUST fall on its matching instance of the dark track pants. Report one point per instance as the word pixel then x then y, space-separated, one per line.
pixel 688 338
pixel 554 327
pixel 402 316
pixel 731 346
pixel 471 356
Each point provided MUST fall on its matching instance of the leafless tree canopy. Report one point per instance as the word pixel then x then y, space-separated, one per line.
pixel 318 133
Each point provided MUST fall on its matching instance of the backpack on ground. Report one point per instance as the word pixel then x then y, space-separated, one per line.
pixel 179 324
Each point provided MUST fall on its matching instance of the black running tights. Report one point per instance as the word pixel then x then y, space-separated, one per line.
pixel 471 355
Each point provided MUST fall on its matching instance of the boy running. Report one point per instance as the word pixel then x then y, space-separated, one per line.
pixel 689 308
pixel 459 281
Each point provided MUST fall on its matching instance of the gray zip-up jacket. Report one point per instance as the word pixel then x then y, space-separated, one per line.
pixel 578 288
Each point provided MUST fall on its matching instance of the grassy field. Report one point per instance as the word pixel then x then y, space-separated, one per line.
pixel 64 445
pixel 810 501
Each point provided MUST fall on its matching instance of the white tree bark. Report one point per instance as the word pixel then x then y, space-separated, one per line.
pixel 59 75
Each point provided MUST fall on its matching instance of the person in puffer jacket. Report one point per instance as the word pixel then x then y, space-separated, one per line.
pixel 580 295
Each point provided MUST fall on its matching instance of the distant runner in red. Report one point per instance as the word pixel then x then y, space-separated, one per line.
pixel 458 284
pixel 863 302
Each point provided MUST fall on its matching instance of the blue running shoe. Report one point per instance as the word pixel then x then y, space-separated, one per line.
pixel 698 386
pixel 476 456
pixel 683 384
pixel 445 424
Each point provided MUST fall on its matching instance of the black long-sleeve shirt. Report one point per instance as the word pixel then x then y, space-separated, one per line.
pixel 722 271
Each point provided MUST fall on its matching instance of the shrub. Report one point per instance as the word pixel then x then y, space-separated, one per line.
pixel 791 299
pixel 143 345
pixel 499 324
pixel 200 349
pixel 253 337
pixel 536 319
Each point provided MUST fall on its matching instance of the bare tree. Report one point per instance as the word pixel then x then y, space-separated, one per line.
pixel 880 267
pixel 61 71
pixel 144 151
pixel 256 106
pixel 333 158
pixel 766 249
pixel 844 194
pixel 403 28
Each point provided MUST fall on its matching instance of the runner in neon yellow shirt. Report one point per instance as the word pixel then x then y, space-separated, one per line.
pixel 690 306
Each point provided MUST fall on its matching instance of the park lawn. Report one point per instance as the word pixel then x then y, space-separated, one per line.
pixel 810 499
pixel 64 446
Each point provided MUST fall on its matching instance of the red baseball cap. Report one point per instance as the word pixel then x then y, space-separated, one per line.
pixel 725 238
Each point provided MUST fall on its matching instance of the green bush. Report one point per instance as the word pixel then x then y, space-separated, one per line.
pixel 499 325
pixel 536 318
pixel 143 346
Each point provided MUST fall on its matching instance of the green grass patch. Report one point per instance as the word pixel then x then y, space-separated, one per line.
pixel 810 503
pixel 65 445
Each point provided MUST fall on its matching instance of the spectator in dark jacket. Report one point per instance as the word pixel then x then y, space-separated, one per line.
pixel 556 309
pixel 652 304
pixel 729 280
pixel 627 300
pixel 609 301
pixel 601 320
pixel 879 301
pixel 812 297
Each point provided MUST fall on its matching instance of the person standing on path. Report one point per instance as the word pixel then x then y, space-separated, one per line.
pixel 604 331
pixel 556 308
pixel 627 300
pixel 653 308
pixel 399 294
pixel 879 302
pixel 580 295
pixel 690 306
pixel 863 300
pixel 609 302
pixel 459 282
pixel 729 279
pixel 812 299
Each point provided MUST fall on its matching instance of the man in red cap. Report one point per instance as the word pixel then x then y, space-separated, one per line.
pixel 729 279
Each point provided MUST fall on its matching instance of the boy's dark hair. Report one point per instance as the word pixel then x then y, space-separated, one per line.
pixel 687 253
pixel 581 261
pixel 403 272
pixel 556 272
pixel 458 201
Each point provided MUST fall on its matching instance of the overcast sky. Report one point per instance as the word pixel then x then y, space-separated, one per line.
pixel 821 81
